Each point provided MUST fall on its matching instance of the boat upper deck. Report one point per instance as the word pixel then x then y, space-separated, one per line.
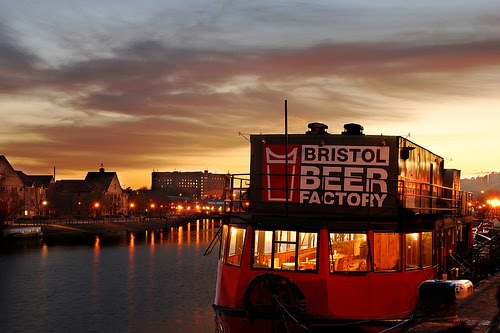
pixel 346 176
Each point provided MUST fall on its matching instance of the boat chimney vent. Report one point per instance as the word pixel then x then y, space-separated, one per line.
pixel 317 129
pixel 353 129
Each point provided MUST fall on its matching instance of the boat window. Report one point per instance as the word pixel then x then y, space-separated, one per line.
pixel 285 245
pixel 307 250
pixel 235 245
pixel 386 252
pixel 223 243
pixel 427 254
pixel 348 252
pixel 412 251
pixel 263 246
pixel 285 250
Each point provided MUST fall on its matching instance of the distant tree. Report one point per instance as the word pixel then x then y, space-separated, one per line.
pixel 34 200
pixel 11 205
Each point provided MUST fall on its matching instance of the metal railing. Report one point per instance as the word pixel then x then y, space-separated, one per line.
pixel 413 195
pixel 426 198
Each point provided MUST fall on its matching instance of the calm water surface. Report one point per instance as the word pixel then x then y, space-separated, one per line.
pixel 149 282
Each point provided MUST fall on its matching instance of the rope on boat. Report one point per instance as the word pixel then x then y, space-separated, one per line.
pixel 297 322
pixel 285 311
pixel 396 326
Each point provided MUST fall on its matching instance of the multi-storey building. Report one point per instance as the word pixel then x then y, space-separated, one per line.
pixel 196 185
pixel 22 195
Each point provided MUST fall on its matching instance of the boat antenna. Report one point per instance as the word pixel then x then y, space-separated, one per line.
pixel 286 159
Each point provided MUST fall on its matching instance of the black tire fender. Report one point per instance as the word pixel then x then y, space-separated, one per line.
pixel 267 293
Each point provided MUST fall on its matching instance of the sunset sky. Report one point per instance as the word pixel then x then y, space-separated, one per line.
pixel 168 85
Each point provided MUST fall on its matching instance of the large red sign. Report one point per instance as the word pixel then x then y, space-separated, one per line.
pixel 329 174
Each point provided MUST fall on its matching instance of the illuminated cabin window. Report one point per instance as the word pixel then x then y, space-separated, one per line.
pixel 285 250
pixel 427 250
pixel 349 252
pixel 412 249
pixel 233 239
pixel 386 252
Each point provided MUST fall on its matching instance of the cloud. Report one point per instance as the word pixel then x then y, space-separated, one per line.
pixel 158 101
pixel 149 78
pixel 17 63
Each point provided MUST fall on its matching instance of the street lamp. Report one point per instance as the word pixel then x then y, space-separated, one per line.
pixel 96 206
pixel 44 207
pixel 152 206
pixel 131 209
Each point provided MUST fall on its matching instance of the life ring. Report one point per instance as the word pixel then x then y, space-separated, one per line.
pixel 268 293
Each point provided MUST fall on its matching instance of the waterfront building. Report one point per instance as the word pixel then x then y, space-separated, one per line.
pixel 113 197
pixel 99 194
pixel 22 195
pixel 70 197
pixel 196 185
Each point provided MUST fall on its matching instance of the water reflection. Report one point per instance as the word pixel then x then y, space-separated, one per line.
pixel 198 232
pixel 155 281
pixel 180 231
pixel 132 240
pixel 96 243
pixel 131 281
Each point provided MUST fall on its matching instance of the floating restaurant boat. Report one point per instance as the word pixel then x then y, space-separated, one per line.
pixel 335 232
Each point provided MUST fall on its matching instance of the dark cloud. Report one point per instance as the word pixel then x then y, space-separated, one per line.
pixel 149 79
pixel 17 63
pixel 149 68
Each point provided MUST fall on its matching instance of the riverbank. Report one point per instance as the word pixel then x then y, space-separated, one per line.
pixel 51 230
pixel 58 228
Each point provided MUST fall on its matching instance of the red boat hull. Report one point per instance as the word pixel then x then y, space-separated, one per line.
pixel 237 321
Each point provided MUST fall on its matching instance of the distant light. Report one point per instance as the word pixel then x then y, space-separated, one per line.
pixel 494 203
pixel 132 205
pixel 96 205
pixel 44 202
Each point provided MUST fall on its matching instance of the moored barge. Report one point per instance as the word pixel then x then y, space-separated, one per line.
pixel 335 232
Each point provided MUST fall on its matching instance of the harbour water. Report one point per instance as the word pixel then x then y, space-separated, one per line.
pixel 156 281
